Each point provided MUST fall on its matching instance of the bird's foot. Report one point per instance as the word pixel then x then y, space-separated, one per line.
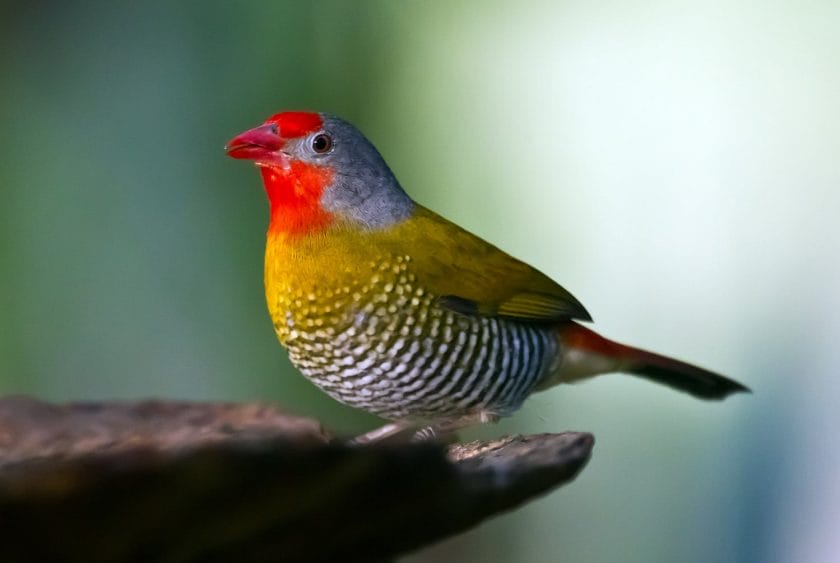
pixel 442 430
pixel 436 434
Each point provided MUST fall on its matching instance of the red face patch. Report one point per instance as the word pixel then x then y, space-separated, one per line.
pixel 294 124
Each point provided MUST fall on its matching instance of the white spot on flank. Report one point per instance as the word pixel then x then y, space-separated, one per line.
pixel 347 361
pixel 366 380
pixel 365 364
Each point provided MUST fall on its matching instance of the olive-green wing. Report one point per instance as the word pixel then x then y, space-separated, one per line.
pixel 471 276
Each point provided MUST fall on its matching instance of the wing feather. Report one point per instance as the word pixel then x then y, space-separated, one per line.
pixel 471 276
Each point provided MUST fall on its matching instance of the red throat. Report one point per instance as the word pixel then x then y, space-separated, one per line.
pixel 295 198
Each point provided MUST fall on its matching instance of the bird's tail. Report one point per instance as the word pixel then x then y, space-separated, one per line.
pixel 586 353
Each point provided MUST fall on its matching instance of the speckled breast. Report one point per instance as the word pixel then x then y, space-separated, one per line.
pixel 383 344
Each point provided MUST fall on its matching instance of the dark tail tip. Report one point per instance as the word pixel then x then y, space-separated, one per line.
pixel 678 375
pixel 691 379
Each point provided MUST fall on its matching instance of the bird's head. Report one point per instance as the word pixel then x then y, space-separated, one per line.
pixel 318 170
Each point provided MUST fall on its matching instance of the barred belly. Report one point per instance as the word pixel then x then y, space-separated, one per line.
pixel 388 348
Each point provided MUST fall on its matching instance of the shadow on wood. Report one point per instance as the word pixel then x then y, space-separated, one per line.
pixel 184 482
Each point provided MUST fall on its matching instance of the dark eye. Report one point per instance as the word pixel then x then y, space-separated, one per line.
pixel 321 143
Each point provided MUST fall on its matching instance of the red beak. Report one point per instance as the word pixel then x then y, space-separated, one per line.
pixel 262 144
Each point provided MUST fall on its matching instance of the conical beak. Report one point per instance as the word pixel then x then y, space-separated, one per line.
pixel 262 144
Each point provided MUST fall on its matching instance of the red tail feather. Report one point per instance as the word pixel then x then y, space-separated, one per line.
pixel 588 353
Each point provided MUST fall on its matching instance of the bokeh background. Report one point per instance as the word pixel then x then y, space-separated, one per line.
pixel 674 164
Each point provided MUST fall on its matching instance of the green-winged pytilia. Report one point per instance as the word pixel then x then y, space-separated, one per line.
pixel 390 308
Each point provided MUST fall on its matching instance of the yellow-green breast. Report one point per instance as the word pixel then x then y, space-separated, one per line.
pixel 359 312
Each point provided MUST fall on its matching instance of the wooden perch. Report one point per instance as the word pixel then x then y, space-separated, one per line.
pixel 184 482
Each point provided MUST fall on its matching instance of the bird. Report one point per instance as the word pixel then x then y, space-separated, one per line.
pixel 390 308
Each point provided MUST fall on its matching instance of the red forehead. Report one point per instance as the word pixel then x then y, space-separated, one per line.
pixel 296 123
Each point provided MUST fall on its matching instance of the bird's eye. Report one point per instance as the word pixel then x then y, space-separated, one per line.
pixel 321 143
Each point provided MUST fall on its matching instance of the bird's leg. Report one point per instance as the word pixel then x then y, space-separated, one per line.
pixel 381 433
pixel 449 426
pixel 439 430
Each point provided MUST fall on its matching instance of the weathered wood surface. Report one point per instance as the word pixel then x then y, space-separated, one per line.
pixel 184 482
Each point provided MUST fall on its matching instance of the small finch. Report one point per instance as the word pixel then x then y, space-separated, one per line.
pixel 390 308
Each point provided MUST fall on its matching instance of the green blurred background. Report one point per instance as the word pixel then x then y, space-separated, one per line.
pixel 674 164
